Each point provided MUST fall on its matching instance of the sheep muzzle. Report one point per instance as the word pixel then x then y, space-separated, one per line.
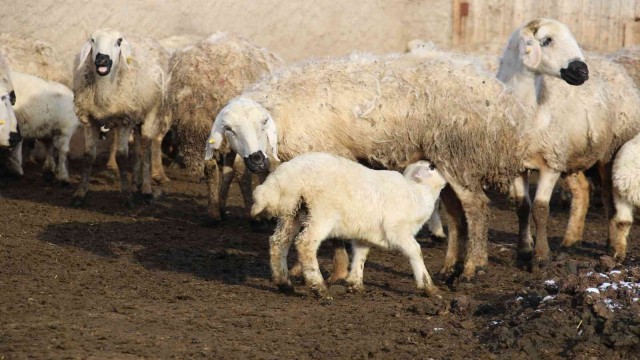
pixel 257 162
pixel 103 64
pixel 576 73
pixel 14 138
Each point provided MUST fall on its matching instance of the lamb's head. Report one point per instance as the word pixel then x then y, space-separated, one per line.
pixel 425 173
pixel 108 48
pixel 546 46
pixel 9 134
pixel 250 130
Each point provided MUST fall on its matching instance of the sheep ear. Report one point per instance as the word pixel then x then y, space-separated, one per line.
pixel 215 138
pixel 272 137
pixel 125 52
pixel 421 173
pixel 84 53
pixel 530 51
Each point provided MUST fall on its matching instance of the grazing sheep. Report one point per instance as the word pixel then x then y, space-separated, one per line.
pixel 204 77
pixel 336 197
pixel 574 127
pixel 9 134
pixel 35 57
pixel 45 112
pixel 387 112
pixel 119 84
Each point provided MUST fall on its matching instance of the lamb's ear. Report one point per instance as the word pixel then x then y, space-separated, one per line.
pixel 272 137
pixel 422 173
pixel 530 51
pixel 215 138
pixel 125 52
pixel 84 53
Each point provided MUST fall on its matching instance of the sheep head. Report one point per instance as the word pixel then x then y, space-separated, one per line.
pixel 546 46
pixel 108 48
pixel 250 130
pixel 424 172
pixel 9 134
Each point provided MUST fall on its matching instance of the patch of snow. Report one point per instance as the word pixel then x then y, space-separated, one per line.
pixel 593 290
pixel 548 298
pixel 438 329
pixel 549 282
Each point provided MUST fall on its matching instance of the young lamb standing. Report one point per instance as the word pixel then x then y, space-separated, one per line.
pixel 336 197
pixel 204 77
pixel 45 112
pixel 574 127
pixel 119 84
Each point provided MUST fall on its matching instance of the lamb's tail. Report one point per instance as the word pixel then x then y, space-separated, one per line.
pixel 266 197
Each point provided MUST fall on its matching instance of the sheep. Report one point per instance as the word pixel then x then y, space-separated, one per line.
pixel 336 197
pixel 176 42
pixel 119 83
pixel 629 57
pixel 386 112
pixel 9 134
pixel 45 111
pixel 574 127
pixel 204 77
pixel 35 57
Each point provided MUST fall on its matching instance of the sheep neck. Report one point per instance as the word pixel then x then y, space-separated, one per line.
pixel 105 87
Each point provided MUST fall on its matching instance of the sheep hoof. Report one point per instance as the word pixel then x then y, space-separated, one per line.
pixel 148 198
pixel 64 183
pixel 524 260
pixel 540 262
pixel 356 288
pixel 286 288
pixel 321 291
pixel 48 176
pixel 78 201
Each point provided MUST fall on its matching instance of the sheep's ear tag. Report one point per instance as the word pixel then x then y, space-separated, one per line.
pixel 129 60
pixel 212 140
pixel 2 122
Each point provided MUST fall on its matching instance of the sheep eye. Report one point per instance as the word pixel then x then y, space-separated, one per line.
pixel 229 130
pixel 264 122
pixel 547 41
pixel 93 40
pixel 432 167
pixel 119 42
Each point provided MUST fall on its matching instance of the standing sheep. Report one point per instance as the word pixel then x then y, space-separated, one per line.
pixel 204 77
pixel 626 193
pixel 574 127
pixel 336 197
pixel 119 84
pixel 387 112
pixel 9 135
pixel 45 112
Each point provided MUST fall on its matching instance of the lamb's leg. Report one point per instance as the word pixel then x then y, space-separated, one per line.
pixel 546 183
pixel 340 261
pixel 411 249
pixel 90 141
pixel 605 173
pixel 307 244
pixel 49 166
pixel 228 173
pixel 14 163
pixel 435 224
pixel 122 158
pixel 112 164
pixel 157 169
pixel 457 231
pixel 623 220
pixel 61 144
pixel 149 133
pixel 279 244
pixel 522 199
pixel 212 178
pixel 360 252
pixel 579 186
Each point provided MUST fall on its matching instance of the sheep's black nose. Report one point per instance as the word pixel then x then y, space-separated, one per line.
pixel 103 60
pixel 257 162
pixel 576 73
pixel 14 138
pixel 257 157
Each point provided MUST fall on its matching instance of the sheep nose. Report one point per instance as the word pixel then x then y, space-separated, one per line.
pixel 257 157
pixel 14 138
pixel 102 60
pixel 576 73
pixel 579 68
pixel 257 162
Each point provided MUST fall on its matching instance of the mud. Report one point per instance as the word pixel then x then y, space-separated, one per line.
pixel 160 281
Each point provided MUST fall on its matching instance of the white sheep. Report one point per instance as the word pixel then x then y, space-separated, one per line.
pixel 387 112
pixel 626 193
pixel 336 197
pixel 119 84
pixel 204 77
pixel 574 127
pixel 45 112
pixel 9 135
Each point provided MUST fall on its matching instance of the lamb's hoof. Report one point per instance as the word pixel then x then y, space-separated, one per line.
pixel 524 260
pixel 431 291
pixel 48 176
pixel 286 288
pixel 355 288
pixel 78 201
pixel 321 291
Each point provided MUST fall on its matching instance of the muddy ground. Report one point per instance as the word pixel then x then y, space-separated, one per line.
pixel 159 281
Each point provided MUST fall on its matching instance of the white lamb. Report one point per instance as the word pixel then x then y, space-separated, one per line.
pixel 45 112
pixel 626 193
pixel 336 197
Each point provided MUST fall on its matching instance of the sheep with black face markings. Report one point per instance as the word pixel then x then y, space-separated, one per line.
pixel 336 197
pixel 119 84
pixel 9 134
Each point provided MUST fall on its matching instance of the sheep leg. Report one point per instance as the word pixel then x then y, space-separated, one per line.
pixel 307 243
pixel 623 220
pixel 135 159
pixel 579 186
pixel 61 144
pixel 279 244
pixel 14 163
pixel 148 135
pixel 411 249
pixel 360 253
pixel 112 164
pixel 522 199
pixel 605 173
pixel 49 166
pixel 476 210
pixel 157 170
pixel 228 173
pixel 457 231
pixel 122 159
pixel 212 176
pixel 434 224
pixel 90 143
pixel 546 183
pixel 244 180
pixel 340 261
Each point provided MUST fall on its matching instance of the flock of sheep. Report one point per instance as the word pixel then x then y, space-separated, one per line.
pixel 454 129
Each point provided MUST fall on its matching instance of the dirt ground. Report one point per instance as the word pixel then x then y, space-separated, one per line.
pixel 161 282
